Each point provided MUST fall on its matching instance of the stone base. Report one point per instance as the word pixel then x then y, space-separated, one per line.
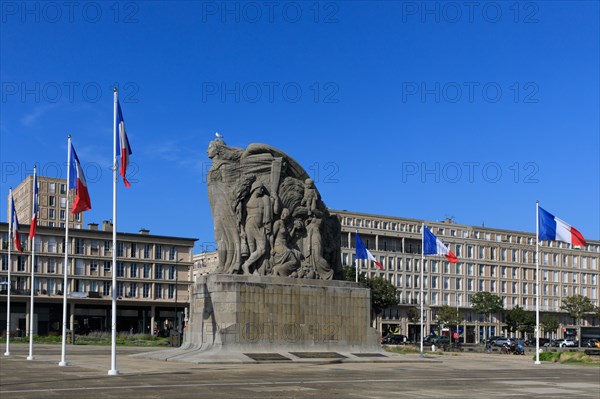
pixel 259 316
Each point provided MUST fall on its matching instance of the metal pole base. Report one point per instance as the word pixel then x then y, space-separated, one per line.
pixel 537 362
pixel 6 353
pixel 421 355
pixel 63 364
pixel 113 372
pixel 30 358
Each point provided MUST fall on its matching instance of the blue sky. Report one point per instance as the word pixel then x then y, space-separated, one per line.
pixel 413 109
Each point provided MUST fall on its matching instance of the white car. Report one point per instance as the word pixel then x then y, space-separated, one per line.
pixel 565 342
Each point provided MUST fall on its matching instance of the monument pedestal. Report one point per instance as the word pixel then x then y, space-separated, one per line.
pixel 248 313
pixel 234 316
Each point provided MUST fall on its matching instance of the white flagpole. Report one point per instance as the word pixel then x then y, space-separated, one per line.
pixel 356 261
pixel 422 267
pixel 537 282
pixel 113 352
pixel 30 357
pixel 10 243
pixel 63 360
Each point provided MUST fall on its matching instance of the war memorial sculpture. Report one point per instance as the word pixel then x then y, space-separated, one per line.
pixel 275 288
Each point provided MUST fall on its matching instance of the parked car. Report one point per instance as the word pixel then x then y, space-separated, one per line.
pixel 491 339
pixel 396 339
pixel 561 343
pixel 500 341
pixel 427 339
pixel 439 341
pixel 543 342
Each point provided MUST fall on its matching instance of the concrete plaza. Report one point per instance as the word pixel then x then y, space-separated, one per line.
pixel 463 375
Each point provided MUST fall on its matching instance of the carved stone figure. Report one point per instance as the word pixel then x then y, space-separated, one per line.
pixel 268 215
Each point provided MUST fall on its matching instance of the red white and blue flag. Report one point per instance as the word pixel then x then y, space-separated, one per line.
pixel 552 228
pixel 77 182
pixel 14 221
pixel 34 209
pixel 363 253
pixel 124 147
pixel 433 246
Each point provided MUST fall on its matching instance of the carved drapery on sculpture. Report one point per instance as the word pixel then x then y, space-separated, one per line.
pixel 268 215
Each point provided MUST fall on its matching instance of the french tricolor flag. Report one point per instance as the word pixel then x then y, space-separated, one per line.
pixel 124 146
pixel 552 228
pixel 433 246
pixel 34 209
pixel 363 253
pixel 77 182
pixel 14 221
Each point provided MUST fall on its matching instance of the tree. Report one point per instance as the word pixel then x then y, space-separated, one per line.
pixel 383 293
pixel 517 319
pixel 577 306
pixel 486 303
pixel 414 314
pixel 449 316
pixel 597 314
pixel 549 323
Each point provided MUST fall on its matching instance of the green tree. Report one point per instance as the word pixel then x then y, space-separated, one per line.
pixel 549 323
pixel 597 314
pixel 577 306
pixel 414 314
pixel 449 316
pixel 517 319
pixel 486 303
pixel 383 293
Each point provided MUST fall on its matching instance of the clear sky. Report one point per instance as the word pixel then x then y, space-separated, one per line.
pixel 414 109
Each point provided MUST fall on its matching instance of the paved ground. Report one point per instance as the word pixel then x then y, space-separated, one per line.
pixel 465 375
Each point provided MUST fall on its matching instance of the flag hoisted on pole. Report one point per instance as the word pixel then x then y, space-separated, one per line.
pixel 363 253
pixel 124 150
pixel 431 245
pixel 76 181
pixel 32 230
pixel 13 228
pixel 549 228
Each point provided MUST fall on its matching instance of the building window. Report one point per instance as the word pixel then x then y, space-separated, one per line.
pixel 157 291
pixel 459 283
pixel 107 266
pixel 157 251
pixel 146 290
pixel 158 272
pixel 120 248
pixel 146 251
pixel 106 288
pixel 51 200
pixel 133 250
pixel 78 216
pixel 51 214
pixel 63 202
pixel 62 214
pixel 147 268
pixel 133 270
pixel 107 246
pixel 94 267
pixel 120 289
pixel 21 261
pixel 63 188
pixel 52 188
pixel 172 253
pixel 79 246
pixel 172 272
pixel 133 290
pixel 4 262
pixel 171 291
pixel 120 269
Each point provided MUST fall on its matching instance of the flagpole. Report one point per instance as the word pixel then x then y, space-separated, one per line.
pixel 356 262
pixel 10 240
pixel 33 220
pixel 421 283
pixel 63 360
pixel 537 282
pixel 113 356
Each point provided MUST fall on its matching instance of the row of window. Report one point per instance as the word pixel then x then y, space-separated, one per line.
pixel 124 290
pixel 399 263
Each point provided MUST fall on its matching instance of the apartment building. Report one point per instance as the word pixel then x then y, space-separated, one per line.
pixel 153 279
pixel 52 203
pixel 498 261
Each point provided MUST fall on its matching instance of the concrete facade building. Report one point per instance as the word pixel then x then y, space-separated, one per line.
pixel 52 203
pixel 498 261
pixel 153 279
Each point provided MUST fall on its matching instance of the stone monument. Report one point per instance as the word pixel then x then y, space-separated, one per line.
pixel 279 253
pixel 268 215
